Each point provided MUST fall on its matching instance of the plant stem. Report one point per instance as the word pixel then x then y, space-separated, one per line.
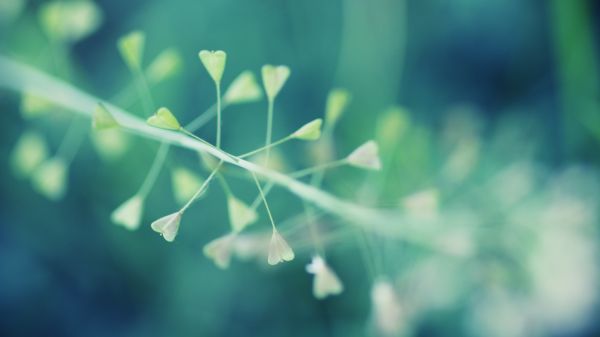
pixel 318 169
pixel 22 78
pixel 224 185
pixel 201 189
pixel 266 147
pixel 72 140
pixel 144 91
pixel 264 199
pixel 152 175
pixel 186 132
pixel 218 87
pixel 269 130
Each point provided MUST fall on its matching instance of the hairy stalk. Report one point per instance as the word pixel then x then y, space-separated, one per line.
pixel 22 78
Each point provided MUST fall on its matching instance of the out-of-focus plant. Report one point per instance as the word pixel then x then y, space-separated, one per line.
pixel 509 246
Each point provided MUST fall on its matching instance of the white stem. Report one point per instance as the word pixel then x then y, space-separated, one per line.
pixel 23 78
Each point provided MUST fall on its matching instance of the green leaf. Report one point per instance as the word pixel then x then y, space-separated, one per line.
pixel 102 119
pixel 131 47
pixel 129 214
pixel 50 179
pixel 185 184
pixel 243 89
pixel 309 131
pixel 29 152
pixel 366 156
pixel 274 77
pixel 214 62
pixel 34 106
pixel 337 100
pixel 167 226
pixel 69 21
pixel 240 214
pixel 392 125
pixel 164 119
pixel 165 65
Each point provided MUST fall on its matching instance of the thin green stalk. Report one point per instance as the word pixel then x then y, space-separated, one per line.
pixel 264 199
pixel 318 169
pixel 22 78
pixel 201 189
pixel 188 133
pixel 157 165
pixel 218 85
pixel 224 185
pixel 72 141
pixel 266 147
pixel 144 91
pixel 258 199
pixel 269 130
pixel 312 229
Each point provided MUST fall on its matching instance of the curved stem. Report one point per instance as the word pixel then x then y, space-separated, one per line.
pixel 264 199
pixel 23 78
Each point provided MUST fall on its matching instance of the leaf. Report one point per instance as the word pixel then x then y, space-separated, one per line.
pixel 111 144
pixel 279 250
pixel 69 21
pixel 50 179
pixel 219 250
pixel 366 156
pixel 102 119
pixel 309 131
pixel 243 89
pixel 167 226
pixel 274 77
pixel 214 62
pixel 185 184
pixel 392 125
pixel 131 47
pixel 240 214
pixel 129 214
pixel 326 282
pixel 164 119
pixel 337 100
pixel 29 152
pixel 165 65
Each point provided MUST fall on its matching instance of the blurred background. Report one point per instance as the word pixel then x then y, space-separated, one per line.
pixel 487 116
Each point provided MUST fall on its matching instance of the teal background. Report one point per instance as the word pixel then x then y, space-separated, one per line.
pixel 528 68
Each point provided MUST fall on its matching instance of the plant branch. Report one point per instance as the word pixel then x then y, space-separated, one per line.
pixel 22 78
